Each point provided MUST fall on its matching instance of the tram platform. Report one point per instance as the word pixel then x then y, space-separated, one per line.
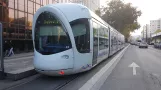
pixel 19 66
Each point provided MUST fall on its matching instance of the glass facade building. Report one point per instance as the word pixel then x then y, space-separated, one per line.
pixel 16 17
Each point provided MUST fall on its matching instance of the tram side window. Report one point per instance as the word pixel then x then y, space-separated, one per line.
pixel 95 34
pixel 106 37
pixel 101 39
pixel 113 39
pixel 81 32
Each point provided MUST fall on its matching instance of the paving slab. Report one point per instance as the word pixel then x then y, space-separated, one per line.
pixel 19 66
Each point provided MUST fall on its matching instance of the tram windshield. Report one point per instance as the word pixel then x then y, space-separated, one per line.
pixel 50 36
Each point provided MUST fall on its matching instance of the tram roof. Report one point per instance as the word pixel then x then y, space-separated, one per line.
pixel 70 9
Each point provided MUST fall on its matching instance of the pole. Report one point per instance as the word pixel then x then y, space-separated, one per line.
pixel 146 34
pixel 143 35
pixel 2 75
pixel 150 36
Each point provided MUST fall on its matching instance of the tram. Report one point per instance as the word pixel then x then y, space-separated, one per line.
pixel 69 38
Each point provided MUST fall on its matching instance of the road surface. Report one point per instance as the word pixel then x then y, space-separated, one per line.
pixel 148 74
pixel 138 69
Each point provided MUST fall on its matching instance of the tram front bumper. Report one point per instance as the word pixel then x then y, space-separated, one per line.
pixel 56 72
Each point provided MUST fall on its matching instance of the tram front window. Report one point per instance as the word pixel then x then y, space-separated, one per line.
pixel 50 37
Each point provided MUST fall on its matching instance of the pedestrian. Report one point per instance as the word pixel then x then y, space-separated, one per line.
pixel 11 49
pixel 6 48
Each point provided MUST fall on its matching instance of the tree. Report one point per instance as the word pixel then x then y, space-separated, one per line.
pixel 157 31
pixel 98 12
pixel 121 16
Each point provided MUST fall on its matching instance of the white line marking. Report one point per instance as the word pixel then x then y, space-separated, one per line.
pixel 134 65
pixel 107 68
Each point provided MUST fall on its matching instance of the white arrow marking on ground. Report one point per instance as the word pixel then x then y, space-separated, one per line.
pixel 134 65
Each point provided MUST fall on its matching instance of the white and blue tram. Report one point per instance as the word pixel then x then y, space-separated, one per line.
pixel 69 38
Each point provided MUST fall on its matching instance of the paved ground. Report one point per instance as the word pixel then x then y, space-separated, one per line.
pixel 19 55
pixel 50 83
pixel 148 75
pixel 54 83
pixel 18 61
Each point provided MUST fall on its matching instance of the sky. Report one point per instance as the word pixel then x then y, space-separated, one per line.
pixel 150 11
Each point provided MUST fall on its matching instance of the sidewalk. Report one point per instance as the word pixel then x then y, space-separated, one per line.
pixel 19 55
pixel 19 66
pixel 152 47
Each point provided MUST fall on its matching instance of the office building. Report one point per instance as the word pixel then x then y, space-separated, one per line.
pixel 155 25
pixel 91 4
pixel 146 33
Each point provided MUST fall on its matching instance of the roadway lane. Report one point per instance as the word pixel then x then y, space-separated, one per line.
pixel 148 74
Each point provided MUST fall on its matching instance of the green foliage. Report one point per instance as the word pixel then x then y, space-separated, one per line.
pixel 95 31
pixel 105 35
pixel 157 31
pixel 98 12
pixel 123 17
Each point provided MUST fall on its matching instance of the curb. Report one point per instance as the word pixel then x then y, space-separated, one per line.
pixel 21 74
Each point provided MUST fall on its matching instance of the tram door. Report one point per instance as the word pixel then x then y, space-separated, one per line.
pixel 95 43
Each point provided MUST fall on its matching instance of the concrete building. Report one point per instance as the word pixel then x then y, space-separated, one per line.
pixel 155 25
pixel 91 4
pixel 146 33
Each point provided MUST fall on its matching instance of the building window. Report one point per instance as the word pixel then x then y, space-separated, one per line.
pixel 4 14
pixel 16 4
pixel 37 1
pixel 21 18
pixel 16 15
pixel 21 5
pixel 11 15
pixel 1 12
pixel 55 1
pixel 47 1
pixel 37 6
pixel 11 3
pixel 50 1
pixel 30 18
pixel 26 5
pixel 44 2
pixel 30 7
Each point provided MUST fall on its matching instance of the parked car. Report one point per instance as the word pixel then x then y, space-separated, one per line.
pixel 159 45
pixel 143 45
pixel 132 43
pixel 151 43
pixel 156 45
pixel 137 43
